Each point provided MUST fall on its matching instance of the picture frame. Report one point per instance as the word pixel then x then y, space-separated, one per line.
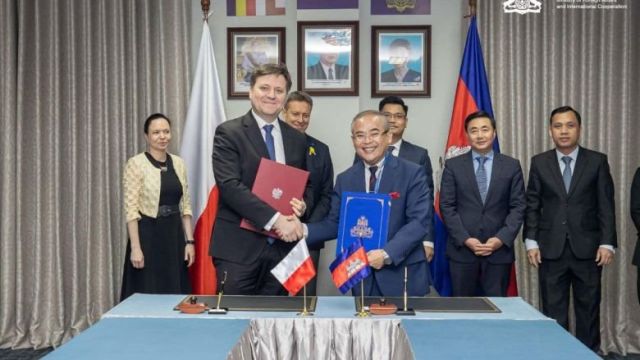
pixel 401 61
pixel 248 47
pixel 328 58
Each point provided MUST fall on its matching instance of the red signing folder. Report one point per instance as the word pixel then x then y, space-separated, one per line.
pixel 276 184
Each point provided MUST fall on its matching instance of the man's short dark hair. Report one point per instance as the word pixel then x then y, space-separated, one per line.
pixel 564 109
pixel 393 100
pixel 271 69
pixel 479 114
pixel 298 96
pixel 400 42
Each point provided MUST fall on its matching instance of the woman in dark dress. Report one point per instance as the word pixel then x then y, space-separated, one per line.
pixel 158 212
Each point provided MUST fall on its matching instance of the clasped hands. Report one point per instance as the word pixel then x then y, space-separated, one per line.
pixel 289 228
pixel 486 249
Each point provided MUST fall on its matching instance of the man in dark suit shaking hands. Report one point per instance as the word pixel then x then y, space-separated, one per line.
pixel 379 172
pixel 238 146
pixel 482 203
pixel 635 215
pixel 396 112
pixel 570 226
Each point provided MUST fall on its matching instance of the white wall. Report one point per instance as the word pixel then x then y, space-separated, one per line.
pixel 428 117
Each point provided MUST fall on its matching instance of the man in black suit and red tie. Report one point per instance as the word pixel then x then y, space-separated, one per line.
pixel 570 226
pixel 482 204
pixel 239 144
pixel 297 113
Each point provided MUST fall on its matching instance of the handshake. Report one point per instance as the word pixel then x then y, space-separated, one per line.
pixel 289 228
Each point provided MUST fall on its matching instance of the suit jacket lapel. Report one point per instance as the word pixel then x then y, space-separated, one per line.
pixel 255 135
pixel 554 168
pixel 471 175
pixel 386 183
pixel 359 184
pixel 496 170
pixel 287 141
pixel 402 152
pixel 578 170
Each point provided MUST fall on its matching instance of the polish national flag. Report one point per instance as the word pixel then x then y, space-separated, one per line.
pixel 206 112
pixel 296 269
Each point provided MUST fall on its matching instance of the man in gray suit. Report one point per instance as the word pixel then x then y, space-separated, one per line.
pixel 482 204
pixel 570 225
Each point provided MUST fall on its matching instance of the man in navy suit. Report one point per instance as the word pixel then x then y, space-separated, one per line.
pixel 297 113
pixel 239 144
pixel 482 201
pixel 570 225
pixel 395 110
pixel 327 68
pixel 410 211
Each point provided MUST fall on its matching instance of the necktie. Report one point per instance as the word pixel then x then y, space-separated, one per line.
pixel 331 74
pixel 372 179
pixel 268 139
pixel 271 148
pixel 566 174
pixel 481 177
pixel 390 149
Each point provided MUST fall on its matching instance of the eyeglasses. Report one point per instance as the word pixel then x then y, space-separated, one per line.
pixel 360 137
pixel 398 116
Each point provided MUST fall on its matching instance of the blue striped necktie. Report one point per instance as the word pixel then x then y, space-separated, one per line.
pixel 481 178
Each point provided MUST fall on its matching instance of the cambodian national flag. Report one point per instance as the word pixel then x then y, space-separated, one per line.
pixel 350 267
pixel 472 94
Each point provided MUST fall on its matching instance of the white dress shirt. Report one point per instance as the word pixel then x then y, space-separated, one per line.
pixel 276 132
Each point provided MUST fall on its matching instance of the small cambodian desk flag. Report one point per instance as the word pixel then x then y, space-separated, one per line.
pixel 350 267
pixel 296 269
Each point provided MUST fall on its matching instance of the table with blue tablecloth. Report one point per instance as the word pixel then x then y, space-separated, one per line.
pixel 147 327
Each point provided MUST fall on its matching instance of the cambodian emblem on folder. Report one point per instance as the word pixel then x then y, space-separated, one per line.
pixel 364 216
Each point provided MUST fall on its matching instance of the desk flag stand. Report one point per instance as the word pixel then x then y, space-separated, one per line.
pixel 218 310
pixel 305 311
pixel 362 313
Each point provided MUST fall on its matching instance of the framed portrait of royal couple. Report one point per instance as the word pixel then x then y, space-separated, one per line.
pixel 401 61
pixel 328 57
pixel 248 48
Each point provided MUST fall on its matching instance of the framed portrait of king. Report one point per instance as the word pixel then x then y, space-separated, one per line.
pixel 401 61
pixel 248 48
pixel 328 57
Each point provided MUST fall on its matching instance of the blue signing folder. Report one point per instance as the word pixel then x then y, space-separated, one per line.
pixel 364 216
